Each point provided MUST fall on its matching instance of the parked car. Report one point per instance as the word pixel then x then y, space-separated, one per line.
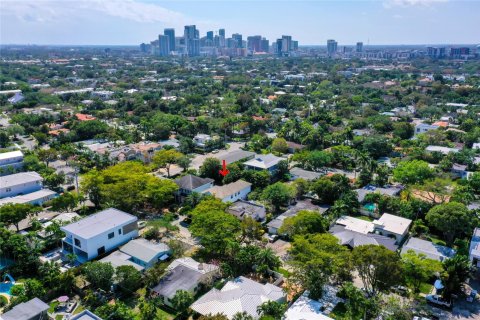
pixel 401 290
pixel 437 300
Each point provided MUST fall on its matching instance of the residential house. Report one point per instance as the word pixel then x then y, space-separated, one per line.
pixel 230 192
pixel 299 173
pixel 99 233
pixel 36 198
pixel 267 162
pixel 184 274
pixel 428 248
pixel 236 156
pixel 443 150
pixel 352 239
pixel 84 117
pixel 242 209
pixel 10 161
pixel 85 315
pixel 388 190
pixel 201 140
pixel 146 253
pixel 392 226
pixel 237 296
pixel 16 98
pixel 355 224
pixel 474 251
pixel 190 183
pixel 460 171
pixel 20 183
pixel 276 223
pixel 34 309
pixel 294 147
pixel 424 127
pixel 305 308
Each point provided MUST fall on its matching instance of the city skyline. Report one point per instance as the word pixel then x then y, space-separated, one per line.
pixel 129 22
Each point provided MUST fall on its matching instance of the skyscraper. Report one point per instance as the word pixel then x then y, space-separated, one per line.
pixel 359 46
pixel 265 45
pixel 254 43
pixel 221 38
pixel 331 47
pixel 238 39
pixel 210 35
pixel 278 47
pixel 192 42
pixel 163 45
pixel 286 44
pixel 170 32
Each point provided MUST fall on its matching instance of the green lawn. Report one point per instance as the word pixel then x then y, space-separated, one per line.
pixel 436 240
pixel 53 305
pixel 369 219
pixel 79 309
pixel 284 272
pixel 426 288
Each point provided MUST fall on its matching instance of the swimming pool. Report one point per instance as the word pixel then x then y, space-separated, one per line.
pixel 370 207
pixel 5 287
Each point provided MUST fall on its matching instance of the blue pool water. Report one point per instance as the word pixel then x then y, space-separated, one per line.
pixel 370 207
pixel 6 287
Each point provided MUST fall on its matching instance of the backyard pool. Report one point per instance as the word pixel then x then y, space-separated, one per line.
pixel 370 207
pixel 5 287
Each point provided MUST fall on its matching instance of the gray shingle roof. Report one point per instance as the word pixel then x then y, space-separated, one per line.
pixel 179 278
pixel 354 239
pixel 292 211
pixel 237 155
pixel 431 250
pixel 99 222
pixel 191 182
pixel 242 209
pixel 305 174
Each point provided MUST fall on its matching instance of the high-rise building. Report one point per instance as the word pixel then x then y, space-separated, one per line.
pixel 143 47
pixel 254 43
pixel 278 47
pixel 434 52
pixel 210 35
pixel 221 38
pixel 264 45
pixel 163 45
pixel 295 45
pixel 170 32
pixel 192 42
pixel 286 44
pixel 237 37
pixel 458 52
pixel 331 47
pixel 359 47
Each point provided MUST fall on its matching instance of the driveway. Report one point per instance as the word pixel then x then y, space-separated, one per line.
pixel 184 234
pixel 198 159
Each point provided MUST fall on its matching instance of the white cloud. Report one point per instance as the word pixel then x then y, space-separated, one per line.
pixel 39 11
pixel 410 3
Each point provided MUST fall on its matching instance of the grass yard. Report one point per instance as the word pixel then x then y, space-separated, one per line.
pixel 53 305
pixel 426 288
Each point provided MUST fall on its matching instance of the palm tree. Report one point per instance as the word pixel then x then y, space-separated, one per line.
pixel 267 260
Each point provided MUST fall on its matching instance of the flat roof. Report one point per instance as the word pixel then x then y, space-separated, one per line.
pixel 264 161
pixel 19 178
pixel 98 223
pixel 234 156
pixel 26 198
pixel 355 224
pixel 11 154
pixel 393 223
pixel 26 310
pixel 144 250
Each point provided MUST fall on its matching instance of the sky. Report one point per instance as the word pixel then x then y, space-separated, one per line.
pixel 130 22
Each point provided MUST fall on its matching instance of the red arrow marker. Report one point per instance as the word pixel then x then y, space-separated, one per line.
pixel 224 170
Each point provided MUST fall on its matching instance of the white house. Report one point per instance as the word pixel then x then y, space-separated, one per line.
pixel 443 150
pixel 392 226
pixel 201 140
pixel 20 183
pixel 428 248
pixel 264 162
pixel 36 198
pixel 231 192
pixel 146 253
pixel 474 252
pixel 10 160
pixel 237 296
pixel 424 127
pixel 99 233
pixel 306 309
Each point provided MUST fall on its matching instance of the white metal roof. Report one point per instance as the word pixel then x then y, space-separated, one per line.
pixel 19 178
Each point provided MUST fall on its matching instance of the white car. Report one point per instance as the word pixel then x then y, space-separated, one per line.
pixel 436 299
